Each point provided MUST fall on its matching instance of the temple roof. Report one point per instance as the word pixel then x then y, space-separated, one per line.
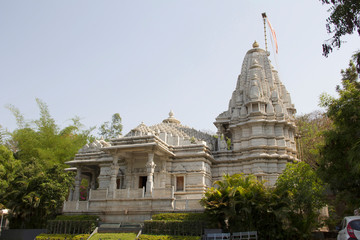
pixel 258 84
pixel 172 132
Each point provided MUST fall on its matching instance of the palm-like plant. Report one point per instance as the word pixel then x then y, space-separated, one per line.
pixel 241 203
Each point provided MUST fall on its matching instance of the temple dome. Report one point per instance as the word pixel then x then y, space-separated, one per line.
pixel 172 132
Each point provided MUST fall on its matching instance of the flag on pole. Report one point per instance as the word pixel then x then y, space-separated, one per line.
pixel 273 34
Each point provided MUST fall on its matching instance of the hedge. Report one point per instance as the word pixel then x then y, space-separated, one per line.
pixel 174 227
pixel 167 237
pixel 113 236
pixel 44 236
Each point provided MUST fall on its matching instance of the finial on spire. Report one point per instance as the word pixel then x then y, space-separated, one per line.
pixel 255 44
pixel 171 118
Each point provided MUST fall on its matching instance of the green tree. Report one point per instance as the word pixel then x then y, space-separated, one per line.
pixel 2 135
pixel 344 19
pixel 39 184
pixel 111 130
pixel 339 163
pixel 304 191
pixel 36 194
pixel 45 141
pixel 241 203
pixel 8 168
pixel 310 130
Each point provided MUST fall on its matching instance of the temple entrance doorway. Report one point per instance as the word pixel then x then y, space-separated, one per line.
pixel 142 182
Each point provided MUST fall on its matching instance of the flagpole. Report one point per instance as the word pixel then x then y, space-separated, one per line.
pixel 264 18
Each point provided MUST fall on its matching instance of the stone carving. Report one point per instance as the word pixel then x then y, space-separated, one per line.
pixel 94 146
pixel 222 143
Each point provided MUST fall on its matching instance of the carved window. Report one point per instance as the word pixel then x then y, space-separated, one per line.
pixel 118 183
pixel 180 183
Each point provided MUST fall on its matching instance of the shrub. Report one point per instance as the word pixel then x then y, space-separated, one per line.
pixel 174 227
pixel 113 236
pixel 44 236
pixel 81 237
pixel 167 237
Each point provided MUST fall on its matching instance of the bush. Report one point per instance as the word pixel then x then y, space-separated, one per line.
pixel 44 236
pixel 174 227
pixel 113 236
pixel 81 237
pixel 167 237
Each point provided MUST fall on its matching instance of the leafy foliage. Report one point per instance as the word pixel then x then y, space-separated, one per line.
pixel 174 227
pixel 113 236
pixel 8 168
pixel 111 130
pixel 241 203
pixel 344 19
pixel 304 192
pixel 310 128
pixel 36 194
pixel 167 237
pixel 35 184
pixel 339 163
pixel 45 236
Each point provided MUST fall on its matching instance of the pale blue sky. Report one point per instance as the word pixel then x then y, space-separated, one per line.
pixel 143 58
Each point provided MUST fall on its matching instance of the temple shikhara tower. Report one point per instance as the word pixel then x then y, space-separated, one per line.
pixel 167 167
pixel 259 122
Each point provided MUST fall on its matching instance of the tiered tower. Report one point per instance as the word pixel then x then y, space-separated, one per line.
pixel 259 122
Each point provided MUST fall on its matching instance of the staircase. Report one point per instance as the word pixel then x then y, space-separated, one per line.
pixel 119 227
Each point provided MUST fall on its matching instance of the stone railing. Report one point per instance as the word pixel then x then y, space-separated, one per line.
pixel 163 193
pixel 75 206
pixel 103 194
pixel 98 194
pixel 129 193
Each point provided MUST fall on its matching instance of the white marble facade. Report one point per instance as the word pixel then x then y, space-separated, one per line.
pixel 167 167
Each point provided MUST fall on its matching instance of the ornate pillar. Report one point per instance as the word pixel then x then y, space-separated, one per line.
pixel 77 185
pixel 128 173
pixel 150 168
pixel 163 174
pixel 93 180
pixel 113 176
pixel 71 194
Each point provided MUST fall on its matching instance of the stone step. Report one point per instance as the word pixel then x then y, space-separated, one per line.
pixel 119 227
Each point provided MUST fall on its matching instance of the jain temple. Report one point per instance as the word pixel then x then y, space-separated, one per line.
pixel 167 167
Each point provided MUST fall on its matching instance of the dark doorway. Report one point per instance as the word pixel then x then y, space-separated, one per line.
pixel 142 181
pixel 180 183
